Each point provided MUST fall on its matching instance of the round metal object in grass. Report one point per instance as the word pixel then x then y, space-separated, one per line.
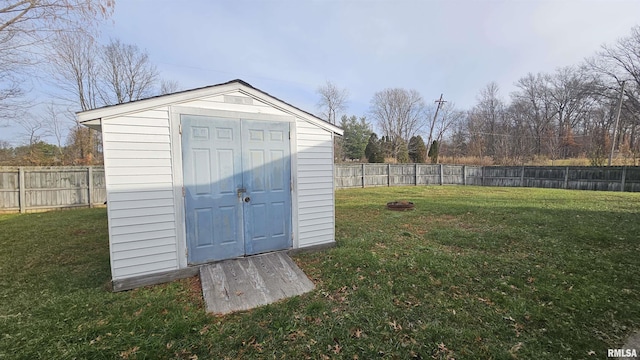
pixel 400 205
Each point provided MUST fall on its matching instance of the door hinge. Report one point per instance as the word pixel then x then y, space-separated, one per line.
pixel 183 192
pixel 180 128
pixel 289 135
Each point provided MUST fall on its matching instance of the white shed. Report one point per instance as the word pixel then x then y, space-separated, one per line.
pixel 209 174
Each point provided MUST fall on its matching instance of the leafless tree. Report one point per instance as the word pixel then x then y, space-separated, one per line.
pixel 616 64
pixel 169 86
pixel 75 69
pixel 490 112
pixel 533 100
pixel 399 113
pixel 126 72
pixel 33 128
pixel 333 101
pixel 26 24
pixel 448 117
pixel 32 18
pixel 58 120
pixel 570 95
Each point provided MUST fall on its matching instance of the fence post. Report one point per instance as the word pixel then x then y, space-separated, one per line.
pixel 482 175
pixel 415 173
pixel 22 195
pixel 566 177
pixel 464 175
pixel 388 175
pixel 441 174
pixel 363 175
pixel 90 186
pixel 522 177
pixel 624 175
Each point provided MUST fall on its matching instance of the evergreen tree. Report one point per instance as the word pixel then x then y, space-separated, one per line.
pixel 356 136
pixel 386 148
pixel 403 152
pixel 417 149
pixel 433 151
pixel 372 151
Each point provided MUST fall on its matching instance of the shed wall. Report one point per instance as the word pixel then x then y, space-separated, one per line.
pixel 139 180
pixel 144 233
pixel 314 185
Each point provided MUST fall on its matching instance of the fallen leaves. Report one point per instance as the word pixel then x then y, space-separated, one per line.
pixel 127 353
pixel 356 333
pixel 395 326
pixel 514 349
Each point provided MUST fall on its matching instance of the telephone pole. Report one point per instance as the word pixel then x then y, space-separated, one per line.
pixel 615 127
pixel 440 101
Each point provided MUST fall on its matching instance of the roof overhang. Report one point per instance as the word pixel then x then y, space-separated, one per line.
pixel 93 118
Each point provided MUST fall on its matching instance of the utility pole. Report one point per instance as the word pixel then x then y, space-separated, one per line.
pixel 440 101
pixel 615 127
pixel 433 122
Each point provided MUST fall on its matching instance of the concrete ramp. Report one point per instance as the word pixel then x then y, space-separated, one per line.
pixel 246 283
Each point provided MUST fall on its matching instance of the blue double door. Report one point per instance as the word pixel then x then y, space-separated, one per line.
pixel 237 177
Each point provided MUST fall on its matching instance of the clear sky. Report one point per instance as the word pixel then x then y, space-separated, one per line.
pixel 290 47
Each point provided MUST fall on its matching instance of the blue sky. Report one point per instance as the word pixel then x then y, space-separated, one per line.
pixel 290 47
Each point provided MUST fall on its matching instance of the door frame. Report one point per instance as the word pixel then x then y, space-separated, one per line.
pixel 178 176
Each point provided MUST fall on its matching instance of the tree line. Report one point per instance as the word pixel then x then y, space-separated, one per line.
pixel 581 111
pixel 584 111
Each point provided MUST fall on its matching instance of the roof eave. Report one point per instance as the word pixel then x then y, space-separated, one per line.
pixel 92 117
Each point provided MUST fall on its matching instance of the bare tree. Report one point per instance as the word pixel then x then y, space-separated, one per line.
pixel 25 24
pixel 32 18
pixel 399 113
pixel 58 122
pixel 169 86
pixel 127 73
pixel 570 96
pixel 75 70
pixel 450 115
pixel 33 129
pixel 533 101
pixel 333 101
pixel 489 115
pixel 616 64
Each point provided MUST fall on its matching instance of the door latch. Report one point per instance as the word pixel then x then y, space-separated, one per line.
pixel 241 191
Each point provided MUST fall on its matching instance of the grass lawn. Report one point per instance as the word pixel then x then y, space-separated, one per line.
pixel 472 273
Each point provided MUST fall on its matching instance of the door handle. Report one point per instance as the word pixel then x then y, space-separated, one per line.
pixel 247 199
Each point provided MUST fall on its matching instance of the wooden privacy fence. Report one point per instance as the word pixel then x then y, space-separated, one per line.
pixel 613 178
pixel 27 189
pixel 41 188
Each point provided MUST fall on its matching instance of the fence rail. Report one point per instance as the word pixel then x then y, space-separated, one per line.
pixel 27 189
pixel 612 178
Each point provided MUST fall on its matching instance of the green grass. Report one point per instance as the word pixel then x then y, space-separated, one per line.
pixel 472 273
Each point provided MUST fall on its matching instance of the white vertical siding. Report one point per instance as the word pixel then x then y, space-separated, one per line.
pixel 142 220
pixel 314 185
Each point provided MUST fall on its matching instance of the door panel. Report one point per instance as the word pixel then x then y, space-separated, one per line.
pixel 212 175
pixel 220 157
pixel 267 177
